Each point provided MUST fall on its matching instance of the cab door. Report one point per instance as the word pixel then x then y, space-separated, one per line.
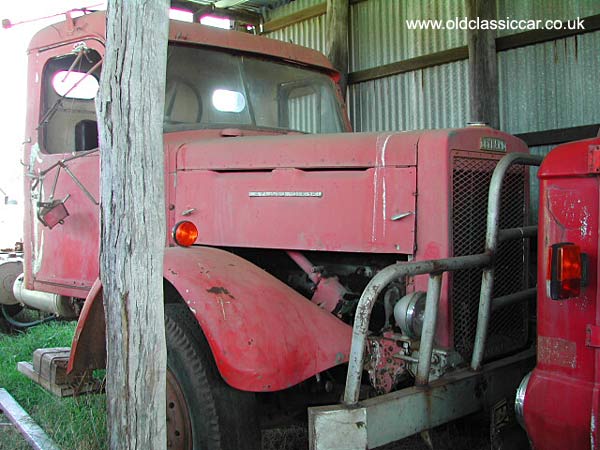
pixel 62 167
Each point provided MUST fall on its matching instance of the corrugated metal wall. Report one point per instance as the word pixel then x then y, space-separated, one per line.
pixel 378 34
pixel 431 98
pixel 541 85
pixel 550 85
pixel 545 9
pixel 309 33
pixel 436 97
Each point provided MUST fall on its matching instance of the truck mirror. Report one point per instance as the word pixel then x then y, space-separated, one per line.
pixel 52 213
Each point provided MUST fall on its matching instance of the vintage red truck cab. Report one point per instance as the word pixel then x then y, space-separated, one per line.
pixel 295 246
pixel 559 401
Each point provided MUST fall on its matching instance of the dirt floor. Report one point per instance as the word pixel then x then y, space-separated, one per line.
pixel 467 434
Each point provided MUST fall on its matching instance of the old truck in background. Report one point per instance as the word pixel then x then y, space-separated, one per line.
pixel 558 402
pixel 300 254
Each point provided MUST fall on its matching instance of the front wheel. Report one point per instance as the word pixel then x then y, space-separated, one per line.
pixel 203 412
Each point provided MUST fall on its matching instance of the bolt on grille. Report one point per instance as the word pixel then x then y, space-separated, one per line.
pixel 508 328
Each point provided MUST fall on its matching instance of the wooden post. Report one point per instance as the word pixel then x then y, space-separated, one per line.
pixel 130 114
pixel 483 66
pixel 337 38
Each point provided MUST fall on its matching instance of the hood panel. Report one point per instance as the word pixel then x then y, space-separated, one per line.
pixel 351 192
pixel 323 151
pixel 371 210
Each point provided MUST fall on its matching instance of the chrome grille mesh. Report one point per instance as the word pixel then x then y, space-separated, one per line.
pixel 470 184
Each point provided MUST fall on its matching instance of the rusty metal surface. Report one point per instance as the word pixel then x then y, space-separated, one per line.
pixel 88 349
pixel 370 294
pixel 385 369
pixel 386 418
pixel 179 428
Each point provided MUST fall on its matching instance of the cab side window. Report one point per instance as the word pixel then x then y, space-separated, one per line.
pixel 68 116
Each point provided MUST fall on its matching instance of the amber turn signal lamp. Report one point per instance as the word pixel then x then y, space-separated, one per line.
pixel 185 233
pixel 565 270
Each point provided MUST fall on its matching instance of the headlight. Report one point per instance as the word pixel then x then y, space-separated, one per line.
pixel 520 400
pixel 409 312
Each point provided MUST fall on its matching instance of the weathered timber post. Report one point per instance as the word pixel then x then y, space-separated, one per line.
pixel 483 66
pixel 130 114
pixel 337 38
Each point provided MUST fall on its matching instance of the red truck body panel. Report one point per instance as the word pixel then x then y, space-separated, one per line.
pixel 561 404
pixel 388 193
pixel 93 26
pixel 263 334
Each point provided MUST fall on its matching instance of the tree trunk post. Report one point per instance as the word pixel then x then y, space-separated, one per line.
pixel 130 113
pixel 483 66
pixel 337 38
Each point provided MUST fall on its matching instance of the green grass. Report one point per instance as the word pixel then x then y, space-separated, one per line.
pixel 80 423
pixel 73 423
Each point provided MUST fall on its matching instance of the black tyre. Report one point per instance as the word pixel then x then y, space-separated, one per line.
pixel 203 412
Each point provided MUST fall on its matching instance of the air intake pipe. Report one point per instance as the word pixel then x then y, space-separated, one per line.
pixel 44 301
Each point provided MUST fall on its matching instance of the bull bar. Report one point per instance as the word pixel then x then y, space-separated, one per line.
pixel 386 418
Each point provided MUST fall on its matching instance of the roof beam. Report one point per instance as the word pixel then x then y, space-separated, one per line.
pixel 199 10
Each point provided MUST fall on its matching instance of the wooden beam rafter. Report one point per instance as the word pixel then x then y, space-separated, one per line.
pixel 483 66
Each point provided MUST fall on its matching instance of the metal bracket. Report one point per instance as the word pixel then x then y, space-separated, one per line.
pixel 592 336
pixel 594 159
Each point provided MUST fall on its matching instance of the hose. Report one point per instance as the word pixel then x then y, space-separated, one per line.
pixel 17 324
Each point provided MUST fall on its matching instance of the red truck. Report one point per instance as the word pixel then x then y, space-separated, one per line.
pixel 558 403
pixel 300 254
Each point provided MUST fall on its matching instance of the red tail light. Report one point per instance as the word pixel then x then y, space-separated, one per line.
pixel 185 233
pixel 565 270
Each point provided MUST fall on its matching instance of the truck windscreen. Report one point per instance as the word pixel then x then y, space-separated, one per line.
pixel 208 88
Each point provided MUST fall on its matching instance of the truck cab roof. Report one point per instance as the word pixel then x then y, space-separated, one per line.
pixel 93 26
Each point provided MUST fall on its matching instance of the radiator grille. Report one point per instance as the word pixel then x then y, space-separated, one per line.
pixel 508 327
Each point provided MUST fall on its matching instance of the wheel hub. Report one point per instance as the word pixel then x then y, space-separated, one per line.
pixel 179 427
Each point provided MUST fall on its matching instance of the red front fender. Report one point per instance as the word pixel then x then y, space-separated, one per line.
pixel 264 335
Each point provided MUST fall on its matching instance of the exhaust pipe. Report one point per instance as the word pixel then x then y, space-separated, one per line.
pixel 44 301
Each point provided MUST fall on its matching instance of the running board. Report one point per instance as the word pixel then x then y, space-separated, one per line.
pixel 49 370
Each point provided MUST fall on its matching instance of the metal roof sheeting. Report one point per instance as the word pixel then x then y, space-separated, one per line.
pixel 550 85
